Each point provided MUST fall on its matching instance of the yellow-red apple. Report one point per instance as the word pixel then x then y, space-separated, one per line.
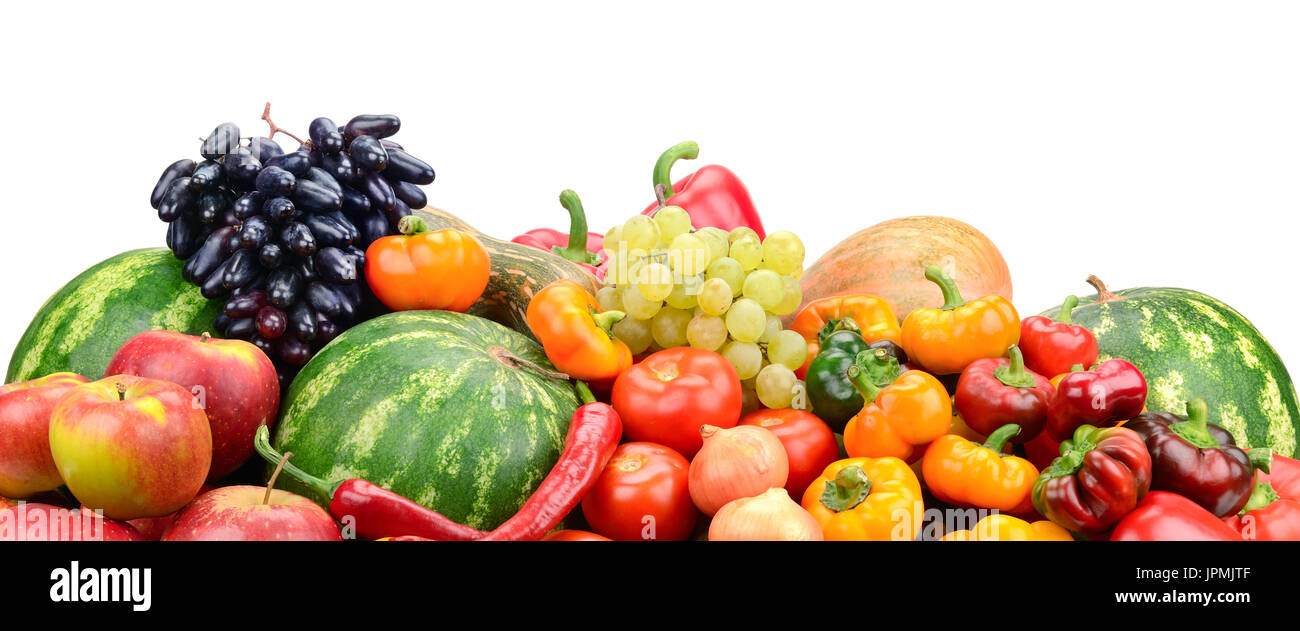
pixel 26 467
pixel 131 446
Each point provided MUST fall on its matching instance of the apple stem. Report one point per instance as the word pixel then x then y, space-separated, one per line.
pixel 121 391
pixel 270 484
pixel 205 337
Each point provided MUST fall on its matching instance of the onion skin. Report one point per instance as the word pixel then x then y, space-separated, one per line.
pixel 735 463
pixel 769 516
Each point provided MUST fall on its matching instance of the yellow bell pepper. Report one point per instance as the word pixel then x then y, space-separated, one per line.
pixel 866 499
pixel 999 527
pixel 945 340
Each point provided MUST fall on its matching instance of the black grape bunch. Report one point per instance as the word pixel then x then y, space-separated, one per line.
pixel 282 236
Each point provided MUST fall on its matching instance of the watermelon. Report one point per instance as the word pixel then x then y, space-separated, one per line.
pixel 429 405
pixel 83 324
pixel 1190 345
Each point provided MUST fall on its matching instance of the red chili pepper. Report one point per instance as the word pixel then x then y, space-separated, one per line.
pixel 1165 516
pixel 1099 477
pixel 1113 391
pixel 1267 517
pixel 374 510
pixel 1052 347
pixel 1284 475
pixel 1199 460
pixel 594 432
pixel 712 196
pixel 578 245
pixel 994 392
pixel 593 435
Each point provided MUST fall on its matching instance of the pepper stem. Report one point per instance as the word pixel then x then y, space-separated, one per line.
pixel 576 250
pixel 1262 458
pixel 872 370
pixel 606 319
pixel 584 392
pixel 835 325
pixel 262 443
pixel 411 225
pixel 1103 294
pixel 1195 429
pixel 663 168
pixel 1066 308
pixel 850 488
pixel 1262 495
pixel 1014 375
pixel 1000 436
pixel 951 296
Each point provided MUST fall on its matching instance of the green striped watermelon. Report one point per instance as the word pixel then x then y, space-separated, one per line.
pixel 1190 345
pixel 82 325
pixel 426 404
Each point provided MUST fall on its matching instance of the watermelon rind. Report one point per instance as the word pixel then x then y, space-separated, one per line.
pixel 1190 345
pixel 82 325
pixel 420 402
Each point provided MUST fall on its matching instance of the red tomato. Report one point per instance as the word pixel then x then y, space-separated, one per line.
pixel 642 494
pixel 670 394
pixel 808 441
pixel 574 535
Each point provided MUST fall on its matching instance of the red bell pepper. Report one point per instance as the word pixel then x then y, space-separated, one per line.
pixel 1113 391
pixel 1267 517
pixel 994 392
pixel 1284 475
pixel 1199 460
pixel 1165 516
pixel 1099 477
pixel 578 245
pixel 1052 347
pixel 712 196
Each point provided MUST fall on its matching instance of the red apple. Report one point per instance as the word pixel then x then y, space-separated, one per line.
pixel 243 513
pixel 26 467
pixel 152 528
pixel 234 381
pixel 131 446
pixel 31 521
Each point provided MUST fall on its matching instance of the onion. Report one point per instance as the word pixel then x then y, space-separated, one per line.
pixel 733 463
pixel 771 516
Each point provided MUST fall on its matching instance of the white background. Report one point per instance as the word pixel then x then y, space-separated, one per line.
pixel 1148 143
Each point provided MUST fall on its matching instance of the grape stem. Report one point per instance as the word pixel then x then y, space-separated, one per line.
pixel 266 116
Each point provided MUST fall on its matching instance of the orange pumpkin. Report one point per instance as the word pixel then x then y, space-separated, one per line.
pixel 889 260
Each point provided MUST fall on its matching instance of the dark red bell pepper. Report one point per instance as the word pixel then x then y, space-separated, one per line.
pixel 1099 477
pixel 1165 516
pixel 1284 475
pixel 1267 517
pixel 712 196
pixel 1198 459
pixel 1113 391
pixel 994 392
pixel 578 245
pixel 1051 347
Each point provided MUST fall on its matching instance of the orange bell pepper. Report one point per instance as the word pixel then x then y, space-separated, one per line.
pixel 965 473
pixel 866 499
pixel 903 411
pixel 874 318
pixel 945 340
pixel 999 527
pixel 423 269
pixel 575 334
